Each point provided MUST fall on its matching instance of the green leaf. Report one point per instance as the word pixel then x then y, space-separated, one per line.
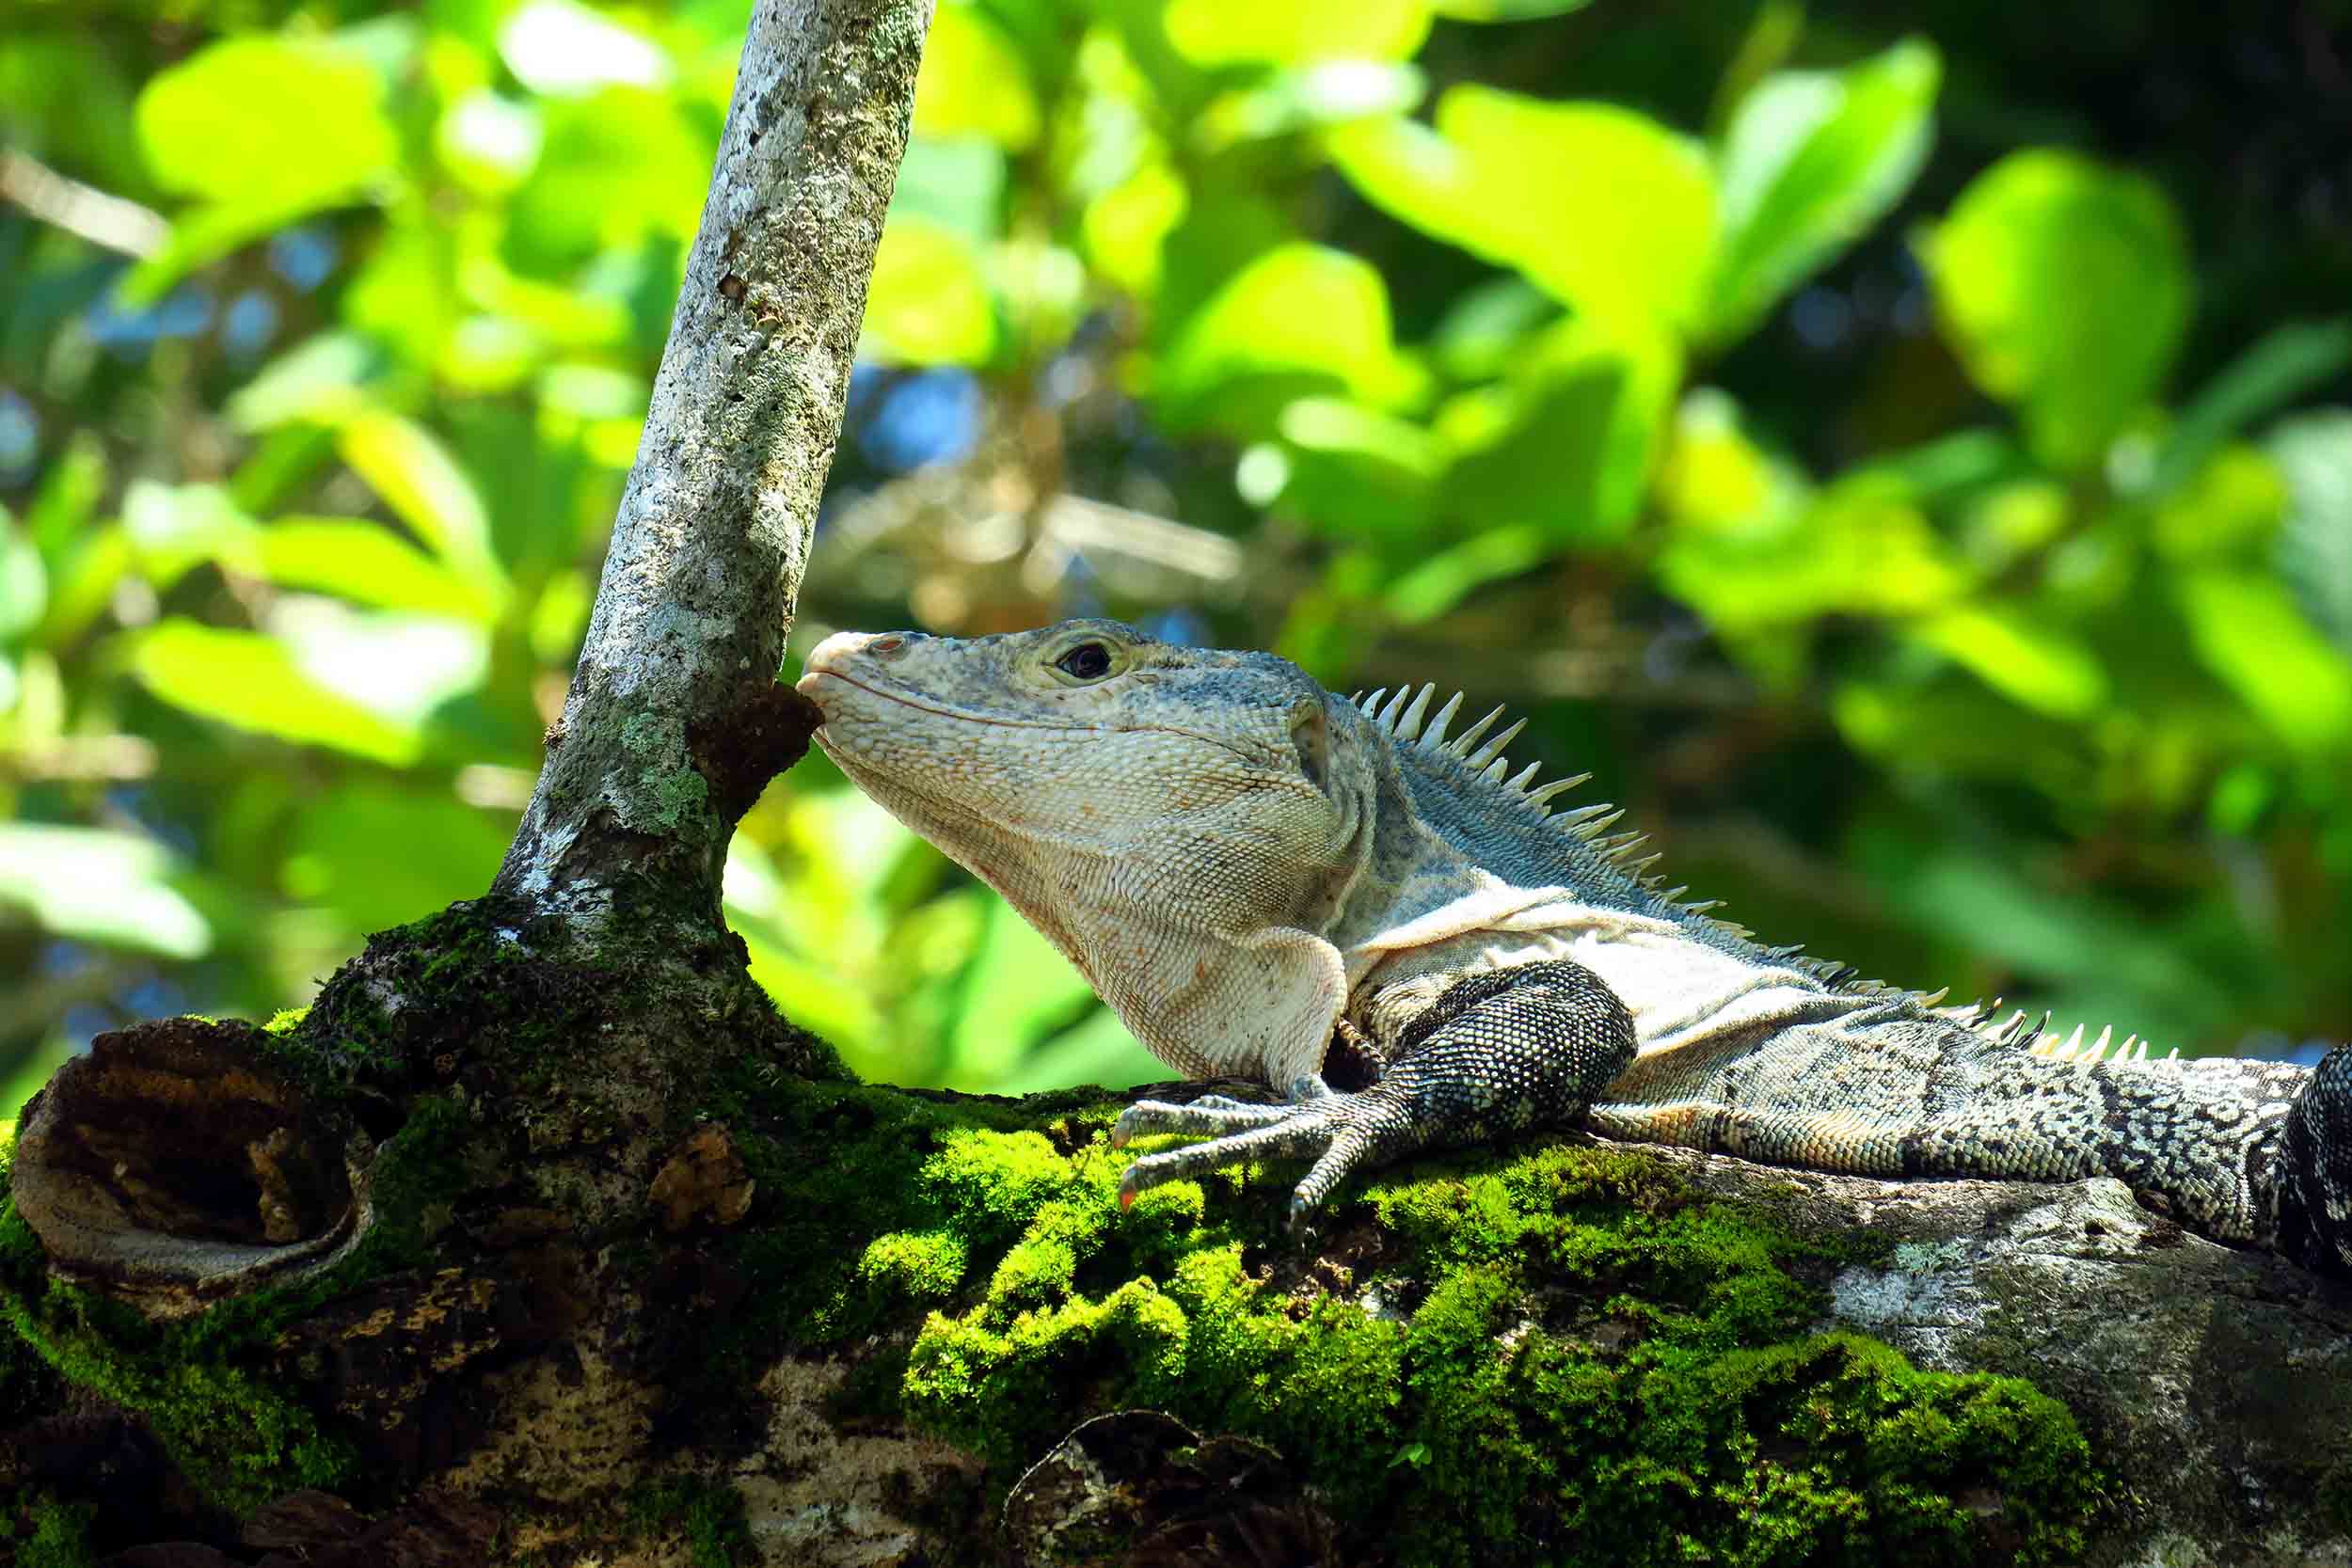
pixel 253 682
pixel 1357 472
pixel 175 528
pixel 1299 319
pixel 929 303
pixel 2314 452
pixel 1811 160
pixel 957 184
pixel 1507 10
pixel 97 886
pixel 304 117
pixel 617 166
pixel 973 82
pixel 1096 1049
pixel 1332 92
pixel 408 467
pixel 23 581
pixel 1484 331
pixel 560 48
pixel 2249 631
pixel 2065 289
pixel 1604 208
pixel 366 564
pixel 1445 579
pixel 323 379
pixel 1018 991
pixel 2045 669
pixel 1241 32
pixel 1574 459
pixel 2287 362
pixel 379 854
pixel 1860 548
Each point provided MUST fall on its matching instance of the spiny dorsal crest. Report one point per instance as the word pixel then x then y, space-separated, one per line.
pixel 1477 763
pixel 1984 1018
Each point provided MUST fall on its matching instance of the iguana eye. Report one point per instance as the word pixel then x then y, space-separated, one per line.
pixel 1087 661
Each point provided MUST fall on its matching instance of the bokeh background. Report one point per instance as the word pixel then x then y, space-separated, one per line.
pixel 1904 453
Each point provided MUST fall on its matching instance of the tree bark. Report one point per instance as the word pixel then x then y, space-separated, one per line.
pixel 675 722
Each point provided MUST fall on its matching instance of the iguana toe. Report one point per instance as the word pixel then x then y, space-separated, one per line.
pixel 1339 1132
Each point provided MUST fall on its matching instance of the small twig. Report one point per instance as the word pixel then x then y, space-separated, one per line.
pixel 110 222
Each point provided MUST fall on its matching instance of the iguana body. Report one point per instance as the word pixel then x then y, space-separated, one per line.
pixel 1252 871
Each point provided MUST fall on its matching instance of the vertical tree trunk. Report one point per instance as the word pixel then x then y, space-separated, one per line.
pixel 674 720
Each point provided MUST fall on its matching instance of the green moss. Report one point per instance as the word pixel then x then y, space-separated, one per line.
pixel 709 1513
pixel 204 1384
pixel 55 1534
pixel 1568 1345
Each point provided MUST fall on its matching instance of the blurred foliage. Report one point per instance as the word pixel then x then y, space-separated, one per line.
pixel 1909 461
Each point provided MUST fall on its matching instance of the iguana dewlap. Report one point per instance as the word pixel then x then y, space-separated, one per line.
pixel 1248 868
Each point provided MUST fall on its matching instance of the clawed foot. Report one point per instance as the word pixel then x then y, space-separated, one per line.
pixel 1339 1133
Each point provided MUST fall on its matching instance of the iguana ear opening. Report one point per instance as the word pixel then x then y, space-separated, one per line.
pixel 1310 732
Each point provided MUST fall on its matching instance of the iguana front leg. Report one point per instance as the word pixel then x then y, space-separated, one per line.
pixel 1498 1052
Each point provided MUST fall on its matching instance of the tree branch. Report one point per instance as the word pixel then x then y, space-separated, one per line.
pixel 675 720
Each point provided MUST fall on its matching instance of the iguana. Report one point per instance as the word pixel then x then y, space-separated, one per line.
pixel 1269 882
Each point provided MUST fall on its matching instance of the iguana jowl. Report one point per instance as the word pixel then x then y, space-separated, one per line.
pixel 1250 868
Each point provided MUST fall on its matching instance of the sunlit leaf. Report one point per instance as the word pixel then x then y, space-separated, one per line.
pixel 406 296
pixel 972 82
pixel 1604 208
pixel 174 527
pixel 2044 667
pixel 365 563
pixel 1310 318
pixel 1507 10
pixel 1860 548
pixel 408 467
pixel 2065 288
pixel 1428 591
pixel 1098 1049
pixel 617 166
pixel 957 184
pixel 97 886
pixel 307 112
pixel 929 303
pixel 1019 990
pixel 1812 159
pixel 1230 32
pixel 1126 225
pixel 489 142
pixel 1716 477
pixel 1332 92
pixel 254 683
pixel 325 379
pixel 1486 329
pixel 2232 504
pixel 560 48
pixel 2250 632
pixel 1356 472
pixel 1574 459
pixel 2314 454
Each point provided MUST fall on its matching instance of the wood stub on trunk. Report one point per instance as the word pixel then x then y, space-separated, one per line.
pixel 172 1165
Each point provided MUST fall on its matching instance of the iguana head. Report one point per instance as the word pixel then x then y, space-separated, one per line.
pixel 1181 822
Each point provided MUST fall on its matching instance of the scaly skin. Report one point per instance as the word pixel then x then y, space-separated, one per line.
pixel 1247 867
